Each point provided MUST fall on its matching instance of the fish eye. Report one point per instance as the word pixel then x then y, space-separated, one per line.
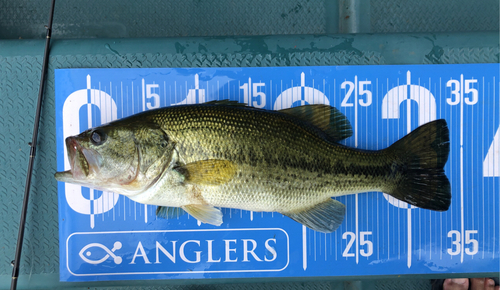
pixel 97 137
pixel 164 142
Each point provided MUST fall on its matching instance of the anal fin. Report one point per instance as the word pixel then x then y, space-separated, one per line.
pixel 324 217
pixel 205 213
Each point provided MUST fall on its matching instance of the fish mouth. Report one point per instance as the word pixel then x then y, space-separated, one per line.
pixel 82 161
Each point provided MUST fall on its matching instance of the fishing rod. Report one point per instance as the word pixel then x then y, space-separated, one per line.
pixel 22 223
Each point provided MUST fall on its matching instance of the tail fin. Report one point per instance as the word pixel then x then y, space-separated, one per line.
pixel 419 160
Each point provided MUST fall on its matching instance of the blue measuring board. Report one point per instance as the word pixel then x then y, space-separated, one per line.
pixel 105 236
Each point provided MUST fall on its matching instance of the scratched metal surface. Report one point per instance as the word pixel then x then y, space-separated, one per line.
pixel 19 75
pixel 153 18
pixel 433 16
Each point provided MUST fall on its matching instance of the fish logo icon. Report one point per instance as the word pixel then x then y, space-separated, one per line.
pixel 84 253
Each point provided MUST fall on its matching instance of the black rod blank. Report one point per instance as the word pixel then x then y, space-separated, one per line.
pixel 22 223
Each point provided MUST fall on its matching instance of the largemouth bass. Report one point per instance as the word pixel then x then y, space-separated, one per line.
pixel 197 158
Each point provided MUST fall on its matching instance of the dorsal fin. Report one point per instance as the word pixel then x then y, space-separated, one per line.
pixel 328 119
pixel 226 103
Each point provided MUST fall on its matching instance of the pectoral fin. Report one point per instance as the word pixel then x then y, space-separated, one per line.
pixel 205 213
pixel 208 172
pixel 325 217
pixel 167 212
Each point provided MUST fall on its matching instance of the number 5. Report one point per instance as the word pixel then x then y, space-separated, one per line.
pixel 363 91
pixel 368 243
pixel 469 240
pixel 261 95
pixel 468 89
pixel 151 95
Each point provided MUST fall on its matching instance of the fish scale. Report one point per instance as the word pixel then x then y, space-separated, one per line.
pixel 255 140
pixel 225 154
